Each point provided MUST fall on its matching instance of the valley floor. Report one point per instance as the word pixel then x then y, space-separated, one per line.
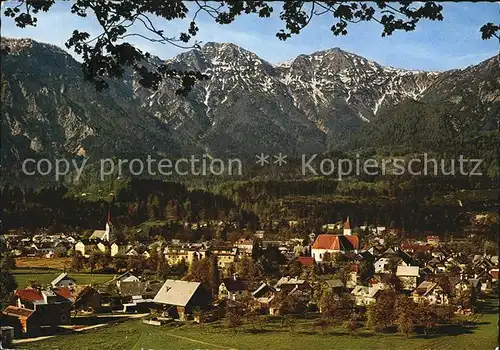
pixel 133 334
pixel 43 276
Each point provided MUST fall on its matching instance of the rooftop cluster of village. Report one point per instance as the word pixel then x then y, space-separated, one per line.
pixel 339 273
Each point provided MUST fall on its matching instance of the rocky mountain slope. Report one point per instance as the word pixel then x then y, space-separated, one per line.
pixel 312 103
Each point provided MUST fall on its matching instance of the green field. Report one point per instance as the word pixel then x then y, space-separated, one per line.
pixel 45 276
pixel 133 334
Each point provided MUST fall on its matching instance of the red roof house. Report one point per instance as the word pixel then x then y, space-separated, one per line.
pixel 306 260
pixel 334 244
pixel 28 294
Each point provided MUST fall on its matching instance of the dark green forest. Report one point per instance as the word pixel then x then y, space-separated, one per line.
pixel 414 204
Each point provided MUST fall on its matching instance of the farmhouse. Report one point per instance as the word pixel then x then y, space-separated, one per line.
pixel 86 247
pixel 126 278
pixel 430 292
pixel 232 288
pixel 288 284
pixel 365 295
pixel 119 248
pixel 63 280
pixel 24 321
pixel 52 306
pixel 184 296
pixel 409 276
pixel 86 298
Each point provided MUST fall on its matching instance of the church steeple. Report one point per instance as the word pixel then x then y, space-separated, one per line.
pixel 347 227
pixel 109 229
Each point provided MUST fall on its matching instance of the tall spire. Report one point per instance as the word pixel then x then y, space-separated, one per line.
pixel 347 227
pixel 347 223
pixel 109 228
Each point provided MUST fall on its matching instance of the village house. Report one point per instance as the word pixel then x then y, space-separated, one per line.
pixel 182 297
pixel 63 280
pixel 364 296
pixel 380 281
pixel 119 248
pixel 86 247
pixel 463 284
pixel 494 275
pixel 301 296
pixel 264 294
pixel 244 246
pixel 433 240
pixel 32 250
pixel 436 265
pixel 139 304
pixel 382 264
pixel 335 286
pixel 138 251
pixel 225 255
pixel 176 254
pixel 86 298
pixel 24 321
pixel 329 227
pixel 232 288
pixel 61 248
pixel 125 278
pixel 51 306
pixel 374 249
pixel 408 275
pixel 431 293
pixel 104 247
pixel 132 252
pixel 306 261
pixel 413 248
pixel 45 248
pixel 485 279
pixel 288 284
pixel 259 234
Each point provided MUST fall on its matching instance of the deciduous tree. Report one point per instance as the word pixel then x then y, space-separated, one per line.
pixel 382 314
pixel 406 317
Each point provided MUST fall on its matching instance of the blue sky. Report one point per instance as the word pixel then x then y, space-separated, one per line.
pixel 453 43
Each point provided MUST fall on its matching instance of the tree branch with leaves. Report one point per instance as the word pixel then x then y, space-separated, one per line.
pixel 109 54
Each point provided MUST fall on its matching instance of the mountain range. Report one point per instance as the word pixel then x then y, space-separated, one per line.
pixel 329 100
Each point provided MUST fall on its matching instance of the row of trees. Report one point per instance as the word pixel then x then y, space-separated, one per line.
pixel 393 310
pixel 153 267
pixel 7 281
pixel 410 204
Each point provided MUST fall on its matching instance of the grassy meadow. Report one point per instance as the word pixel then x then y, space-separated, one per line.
pixel 24 275
pixel 135 335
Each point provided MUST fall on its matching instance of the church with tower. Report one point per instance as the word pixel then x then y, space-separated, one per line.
pixel 106 235
pixel 332 244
